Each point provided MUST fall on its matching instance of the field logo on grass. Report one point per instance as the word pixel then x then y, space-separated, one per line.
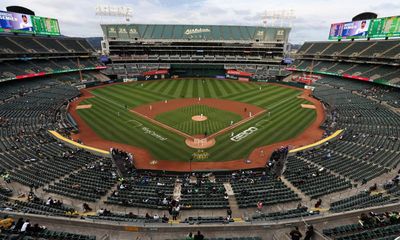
pixel 244 134
pixel 200 155
pixel 154 134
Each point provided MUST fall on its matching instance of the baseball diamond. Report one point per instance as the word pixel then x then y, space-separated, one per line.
pixel 165 113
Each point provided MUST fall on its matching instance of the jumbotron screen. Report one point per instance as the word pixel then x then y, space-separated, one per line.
pixel 375 28
pixel 24 23
pixel 357 29
pixel 15 22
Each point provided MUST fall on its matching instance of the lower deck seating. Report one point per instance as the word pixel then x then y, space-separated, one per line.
pixel 265 188
pixel 291 213
pixel 362 200
pixel 370 227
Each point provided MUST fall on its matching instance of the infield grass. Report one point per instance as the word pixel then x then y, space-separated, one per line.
pixel 181 119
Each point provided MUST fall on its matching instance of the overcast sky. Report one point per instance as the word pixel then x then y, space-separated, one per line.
pixel 313 17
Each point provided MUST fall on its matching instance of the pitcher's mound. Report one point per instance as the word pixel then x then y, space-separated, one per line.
pixel 199 118
pixel 198 143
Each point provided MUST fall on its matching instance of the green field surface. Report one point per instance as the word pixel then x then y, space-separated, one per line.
pixel 181 119
pixel 111 120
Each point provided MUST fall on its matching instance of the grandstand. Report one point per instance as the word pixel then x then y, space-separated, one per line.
pixel 346 185
pixel 135 49
pixel 367 60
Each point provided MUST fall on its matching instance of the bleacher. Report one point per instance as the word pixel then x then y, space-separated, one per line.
pixel 372 60
pixel 149 44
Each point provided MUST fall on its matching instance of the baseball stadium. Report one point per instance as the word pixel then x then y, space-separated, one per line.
pixel 198 131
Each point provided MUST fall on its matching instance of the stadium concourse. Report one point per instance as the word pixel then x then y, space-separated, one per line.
pixel 343 187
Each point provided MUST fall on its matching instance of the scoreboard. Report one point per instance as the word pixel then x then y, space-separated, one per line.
pixel 45 26
pixel 385 27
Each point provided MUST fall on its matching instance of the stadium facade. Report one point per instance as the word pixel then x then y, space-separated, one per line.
pixel 195 50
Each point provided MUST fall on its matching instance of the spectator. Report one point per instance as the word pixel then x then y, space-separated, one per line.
pixel 35 230
pixel 189 236
pixel 309 233
pixel 100 212
pixel 318 203
pixel 295 234
pixel 25 227
pixel 165 219
pixel 6 222
pixel 199 236
pixel 229 214
pixel 86 208
pixel 19 224
pixel 259 206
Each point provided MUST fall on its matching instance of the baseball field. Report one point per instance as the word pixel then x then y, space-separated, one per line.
pixel 241 116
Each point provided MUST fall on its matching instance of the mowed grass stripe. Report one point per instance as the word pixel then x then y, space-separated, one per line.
pixel 145 93
pixel 105 118
pixel 134 96
pixel 206 87
pixel 275 100
pixel 122 99
pixel 211 89
pixel 179 88
pixel 201 87
pixel 160 85
pixel 223 85
pixel 189 91
pixel 253 89
pixel 215 88
pixel 254 140
pixel 237 86
pixel 172 88
pixel 195 88
pixel 266 94
pixel 244 96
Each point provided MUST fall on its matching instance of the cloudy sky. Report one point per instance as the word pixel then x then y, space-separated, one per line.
pixel 313 17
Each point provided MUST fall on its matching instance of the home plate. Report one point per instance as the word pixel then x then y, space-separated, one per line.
pixel 309 106
pixel 84 106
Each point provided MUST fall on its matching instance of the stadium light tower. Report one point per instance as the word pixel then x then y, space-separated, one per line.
pixel 105 10
pixel 278 18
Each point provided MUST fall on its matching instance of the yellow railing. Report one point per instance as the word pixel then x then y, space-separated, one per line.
pixel 316 144
pixel 66 140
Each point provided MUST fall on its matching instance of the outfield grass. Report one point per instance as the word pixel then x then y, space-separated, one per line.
pixel 181 119
pixel 109 118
